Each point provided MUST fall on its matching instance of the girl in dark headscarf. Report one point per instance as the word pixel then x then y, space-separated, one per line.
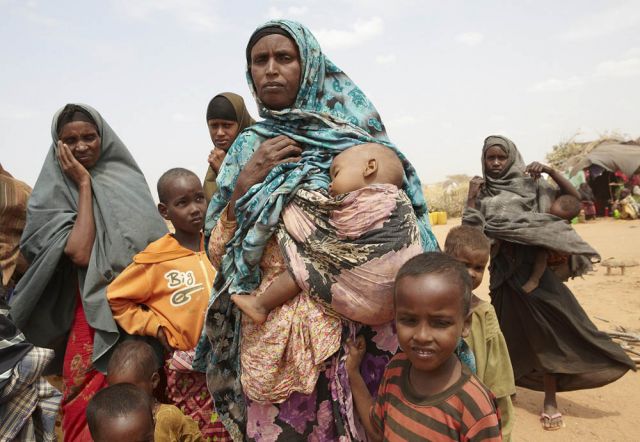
pixel 89 213
pixel 227 116
pixel 552 343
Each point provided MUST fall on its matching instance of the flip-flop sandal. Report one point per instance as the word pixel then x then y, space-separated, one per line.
pixel 547 419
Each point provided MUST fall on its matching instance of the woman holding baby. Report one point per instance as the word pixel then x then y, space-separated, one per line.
pixel 273 199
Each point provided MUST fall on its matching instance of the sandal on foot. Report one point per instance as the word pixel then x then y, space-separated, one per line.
pixel 551 422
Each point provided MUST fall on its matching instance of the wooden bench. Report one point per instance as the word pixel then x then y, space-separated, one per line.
pixel 621 264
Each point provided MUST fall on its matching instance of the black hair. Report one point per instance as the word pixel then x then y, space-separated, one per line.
pixel 465 237
pixel 73 112
pixel 441 264
pixel 570 205
pixel 115 401
pixel 167 178
pixel 134 354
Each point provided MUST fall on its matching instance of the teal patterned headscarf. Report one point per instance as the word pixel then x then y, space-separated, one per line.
pixel 329 115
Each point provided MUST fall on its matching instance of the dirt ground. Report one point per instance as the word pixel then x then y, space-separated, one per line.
pixel 610 413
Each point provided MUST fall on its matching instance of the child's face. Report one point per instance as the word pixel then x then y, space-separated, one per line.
pixel 475 261
pixel 495 160
pixel 347 172
pixel 129 376
pixel 137 426
pixel 222 132
pixel 429 319
pixel 186 205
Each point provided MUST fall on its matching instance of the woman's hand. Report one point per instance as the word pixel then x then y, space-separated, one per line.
pixel 72 167
pixel 475 186
pixel 271 153
pixel 356 353
pixel 215 159
pixel 535 169
pixel 82 235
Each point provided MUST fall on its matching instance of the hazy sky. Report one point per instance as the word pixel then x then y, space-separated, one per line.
pixel 443 74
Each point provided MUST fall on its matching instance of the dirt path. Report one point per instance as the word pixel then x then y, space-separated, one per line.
pixel 610 413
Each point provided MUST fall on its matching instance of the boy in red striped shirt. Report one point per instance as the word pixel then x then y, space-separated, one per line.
pixel 427 394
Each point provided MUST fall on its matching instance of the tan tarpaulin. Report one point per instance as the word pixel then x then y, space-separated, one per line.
pixel 613 157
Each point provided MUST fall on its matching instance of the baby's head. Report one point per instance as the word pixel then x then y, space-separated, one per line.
pixel 134 362
pixel 365 164
pixel 471 247
pixel 432 300
pixel 120 412
pixel 566 207
pixel 182 200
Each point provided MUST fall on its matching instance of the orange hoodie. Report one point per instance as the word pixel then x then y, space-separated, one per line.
pixel 166 285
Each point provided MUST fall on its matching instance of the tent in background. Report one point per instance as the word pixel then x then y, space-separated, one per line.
pixel 611 157
pixel 601 161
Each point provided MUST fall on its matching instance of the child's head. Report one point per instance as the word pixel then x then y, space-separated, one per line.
pixel 471 247
pixel 134 362
pixel 365 164
pixel 182 200
pixel 120 412
pixel 566 207
pixel 432 301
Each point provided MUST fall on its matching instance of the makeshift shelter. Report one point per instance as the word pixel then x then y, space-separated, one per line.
pixel 611 157
pixel 603 161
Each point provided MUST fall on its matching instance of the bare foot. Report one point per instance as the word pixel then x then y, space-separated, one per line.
pixel 250 306
pixel 529 286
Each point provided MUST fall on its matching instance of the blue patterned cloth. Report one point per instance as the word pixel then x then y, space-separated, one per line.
pixel 466 355
pixel 329 115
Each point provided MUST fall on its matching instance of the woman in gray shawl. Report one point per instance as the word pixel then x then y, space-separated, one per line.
pixel 89 213
pixel 552 343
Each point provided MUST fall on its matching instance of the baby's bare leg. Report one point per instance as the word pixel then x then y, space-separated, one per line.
pixel 281 290
pixel 539 266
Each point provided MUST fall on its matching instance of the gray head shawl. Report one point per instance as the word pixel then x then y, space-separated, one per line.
pixel 126 221
pixel 513 208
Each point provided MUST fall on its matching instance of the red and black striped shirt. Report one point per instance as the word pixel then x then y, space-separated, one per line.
pixel 466 411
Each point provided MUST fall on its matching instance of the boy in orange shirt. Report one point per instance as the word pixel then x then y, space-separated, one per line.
pixel 165 291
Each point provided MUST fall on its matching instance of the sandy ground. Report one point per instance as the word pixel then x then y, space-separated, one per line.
pixel 610 413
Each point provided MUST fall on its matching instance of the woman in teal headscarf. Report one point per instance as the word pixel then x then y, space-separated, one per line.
pixel 312 111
